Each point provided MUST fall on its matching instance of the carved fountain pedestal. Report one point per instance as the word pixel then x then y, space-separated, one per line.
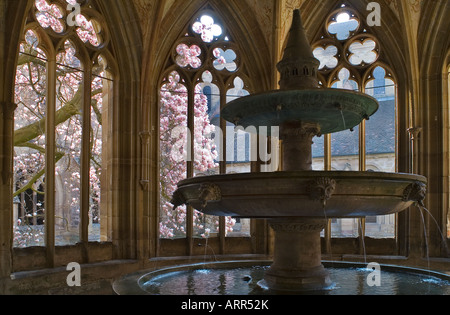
pixel 297 262
pixel 297 200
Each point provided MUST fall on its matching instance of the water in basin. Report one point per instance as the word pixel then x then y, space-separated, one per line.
pixel 244 281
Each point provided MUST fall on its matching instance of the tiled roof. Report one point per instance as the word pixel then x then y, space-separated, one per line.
pixel 380 135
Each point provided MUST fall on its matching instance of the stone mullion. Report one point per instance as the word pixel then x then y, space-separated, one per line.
pixel 85 158
pixel 327 167
pixel 6 141
pixel 190 167
pixel 50 163
pixel 362 168
pixel 223 166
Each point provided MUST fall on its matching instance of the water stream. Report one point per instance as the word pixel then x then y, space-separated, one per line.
pixel 206 247
pixel 427 255
pixel 343 119
pixel 362 236
pixel 443 240
pixel 324 204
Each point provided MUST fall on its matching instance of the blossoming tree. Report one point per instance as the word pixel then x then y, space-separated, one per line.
pixel 176 141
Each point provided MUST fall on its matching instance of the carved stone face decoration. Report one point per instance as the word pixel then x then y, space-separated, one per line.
pixel 209 192
pixel 321 189
pixel 415 192
pixel 177 199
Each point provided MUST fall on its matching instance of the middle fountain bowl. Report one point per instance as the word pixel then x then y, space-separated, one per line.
pixel 335 194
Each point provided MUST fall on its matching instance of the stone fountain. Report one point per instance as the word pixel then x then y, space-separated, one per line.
pixel 296 200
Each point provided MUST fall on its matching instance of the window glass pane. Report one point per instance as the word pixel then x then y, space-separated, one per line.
pixel 68 146
pixel 174 151
pixel 345 157
pixel 345 150
pixel 189 56
pixel 318 163
pixel 341 228
pixel 29 145
pixel 102 90
pixel 207 28
pixel 238 155
pixel 50 16
pixel 362 53
pixel 381 144
pixel 88 30
pixel 205 150
pixel 327 57
pixel 343 26
pixel 207 133
pixel 225 59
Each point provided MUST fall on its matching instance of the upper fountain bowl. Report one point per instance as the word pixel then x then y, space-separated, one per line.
pixel 333 109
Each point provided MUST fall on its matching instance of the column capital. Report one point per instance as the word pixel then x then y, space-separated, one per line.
pixel 145 136
pixel 7 109
pixel 298 130
pixel 414 132
pixel 297 225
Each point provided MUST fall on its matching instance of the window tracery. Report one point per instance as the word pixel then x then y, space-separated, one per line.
pixel 63 83
pixel 204 72
pixel 351 58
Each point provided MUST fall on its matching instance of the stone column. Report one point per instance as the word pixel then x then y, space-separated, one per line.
pixel 6 220
pixel 297 139
pixel 297 264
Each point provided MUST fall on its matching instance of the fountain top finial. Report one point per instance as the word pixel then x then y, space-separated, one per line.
pixel 299 67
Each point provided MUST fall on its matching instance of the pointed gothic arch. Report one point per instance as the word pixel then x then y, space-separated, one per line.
pixel 121 117
pixel 255 54
pixel 241 28
pixel 203 47
pixel 434 54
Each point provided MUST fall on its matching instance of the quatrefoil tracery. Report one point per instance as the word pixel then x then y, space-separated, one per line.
pixel 55 17
pixel 206 46
pixel 347 45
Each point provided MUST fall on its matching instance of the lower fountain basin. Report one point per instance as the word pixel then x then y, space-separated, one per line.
pixel 243 278
pixel 333 194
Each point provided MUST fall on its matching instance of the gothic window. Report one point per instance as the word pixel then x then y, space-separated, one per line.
pixel 62 90
pixel 203 73
pixel 351 57
pixel 448 99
